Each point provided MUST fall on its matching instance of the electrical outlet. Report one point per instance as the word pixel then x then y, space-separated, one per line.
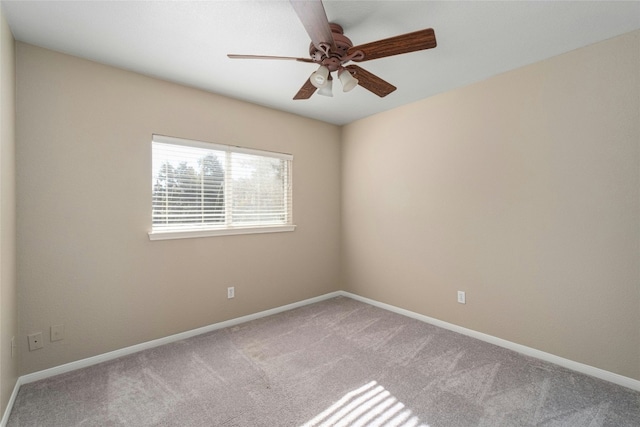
pixel 462 299
pixel 231 292
pixel 57 332
pixel 35 341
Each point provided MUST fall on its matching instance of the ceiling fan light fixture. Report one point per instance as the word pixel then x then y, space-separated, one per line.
pixel 326 90
pixel 347 80
pixel 320 77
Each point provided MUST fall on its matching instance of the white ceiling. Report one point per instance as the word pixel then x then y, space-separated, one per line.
pixel 187 42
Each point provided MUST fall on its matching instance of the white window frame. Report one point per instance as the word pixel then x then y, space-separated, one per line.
pixel 227 228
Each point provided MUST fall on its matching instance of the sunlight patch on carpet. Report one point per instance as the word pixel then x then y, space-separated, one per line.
pixel 369 405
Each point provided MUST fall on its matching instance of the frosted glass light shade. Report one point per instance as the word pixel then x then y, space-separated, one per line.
pixel 326 90
pixel 347 80
pixel 320 77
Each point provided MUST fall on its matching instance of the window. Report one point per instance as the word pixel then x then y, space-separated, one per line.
pixel 203 189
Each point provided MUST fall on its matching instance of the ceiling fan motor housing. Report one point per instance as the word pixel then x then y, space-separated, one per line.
pixel 332 59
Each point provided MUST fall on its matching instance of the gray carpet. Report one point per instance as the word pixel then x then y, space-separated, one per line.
pixel 335 363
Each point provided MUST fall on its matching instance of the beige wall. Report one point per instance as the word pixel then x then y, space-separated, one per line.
pixel 8 300
pixel 523 191
pixel 84 197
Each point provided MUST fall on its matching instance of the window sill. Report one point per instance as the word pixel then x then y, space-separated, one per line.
pixel 184 234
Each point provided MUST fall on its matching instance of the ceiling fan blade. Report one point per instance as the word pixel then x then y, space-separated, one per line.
pixel 305 91
pixel 290 58
pixel 314 19
pixel 371 82
pixel 405 43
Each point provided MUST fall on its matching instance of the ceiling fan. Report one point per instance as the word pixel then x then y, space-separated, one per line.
pixel 331 49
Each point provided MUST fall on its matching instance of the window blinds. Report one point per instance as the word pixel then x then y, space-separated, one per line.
pixel 199 185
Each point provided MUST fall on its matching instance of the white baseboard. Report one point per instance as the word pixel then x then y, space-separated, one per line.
pixel 538 354
pixel 548 357
pixel 72 366
pixel 12 399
